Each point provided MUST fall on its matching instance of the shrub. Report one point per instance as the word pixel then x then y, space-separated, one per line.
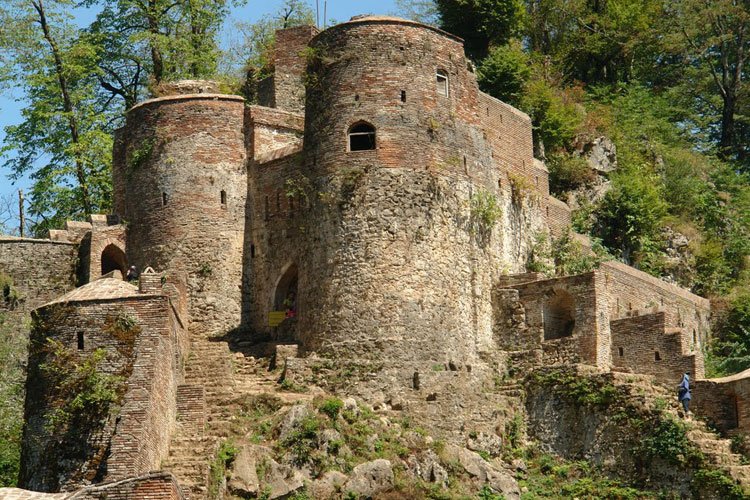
pixel 568 172
pixel 331 407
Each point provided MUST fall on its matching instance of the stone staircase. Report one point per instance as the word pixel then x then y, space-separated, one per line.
pixel 716 449
pixel 215 378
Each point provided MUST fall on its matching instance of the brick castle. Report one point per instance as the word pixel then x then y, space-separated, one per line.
pixel 376 194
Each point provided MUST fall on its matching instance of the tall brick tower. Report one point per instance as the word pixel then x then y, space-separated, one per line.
pixel 401 244
pixel 181 185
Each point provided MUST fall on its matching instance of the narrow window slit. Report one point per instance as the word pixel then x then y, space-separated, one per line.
pixel 80 341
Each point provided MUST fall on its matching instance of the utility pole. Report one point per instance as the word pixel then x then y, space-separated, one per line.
pixel 325 12
pixel 317 13
pixel 20 211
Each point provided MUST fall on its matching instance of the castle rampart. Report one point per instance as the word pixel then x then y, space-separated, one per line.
pixel 181 185
pixel 380 223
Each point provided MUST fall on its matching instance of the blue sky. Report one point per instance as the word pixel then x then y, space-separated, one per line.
pixel 340 10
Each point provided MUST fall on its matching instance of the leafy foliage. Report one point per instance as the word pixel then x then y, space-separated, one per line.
pixel 83 393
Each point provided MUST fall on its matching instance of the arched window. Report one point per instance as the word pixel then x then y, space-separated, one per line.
pixel 559 315
pixel 441 77
pixel 361 137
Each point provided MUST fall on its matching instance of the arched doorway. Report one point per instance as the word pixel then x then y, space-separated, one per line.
pixel 559 315
pixel 285 295
pixel 113 259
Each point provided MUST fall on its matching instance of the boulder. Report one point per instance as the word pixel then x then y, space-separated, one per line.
pixel 428 468
pixel 293 419
pixel 601 154
pixel 485 473
pixel 244 479
pixel 370 478
pixel 328 485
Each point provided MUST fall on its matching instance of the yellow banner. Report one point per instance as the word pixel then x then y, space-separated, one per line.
pixel 275 318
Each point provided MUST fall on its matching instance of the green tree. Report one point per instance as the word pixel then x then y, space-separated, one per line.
pixel 713 41
pixel 481 23
pixel 63 143
pixel 504 72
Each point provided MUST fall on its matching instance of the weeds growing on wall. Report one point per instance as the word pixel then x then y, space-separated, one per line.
pixel 8 293
pixel 485 212
pixel 83 394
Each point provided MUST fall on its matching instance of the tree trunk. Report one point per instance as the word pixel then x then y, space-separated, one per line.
pixel 153 28
pixel 726 143
pixel 67 103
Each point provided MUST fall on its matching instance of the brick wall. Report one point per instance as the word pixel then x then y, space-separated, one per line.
pixel 289 66
pixel 644 344
pixel 724 402
pixel 135 437
pixel 632 291
pixel 558 216
pixel 154 486
pixel 271 129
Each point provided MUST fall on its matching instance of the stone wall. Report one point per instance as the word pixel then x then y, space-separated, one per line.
pixel 141 338
pixel 634 292
pixel 644 344
pixel 180 182
pixel 41 269
pixel 564 317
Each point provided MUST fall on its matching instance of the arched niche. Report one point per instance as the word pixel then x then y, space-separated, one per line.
pixel 559 315
pixel 113 258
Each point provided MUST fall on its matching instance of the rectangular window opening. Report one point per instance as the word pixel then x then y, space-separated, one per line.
pixel 223 197
pixel 164 199
pixel 620 351
pixel 80 341
pixel 403 96
pixel 657 356
pixel 442 82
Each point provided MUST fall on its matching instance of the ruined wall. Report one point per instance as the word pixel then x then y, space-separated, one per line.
pixel 140 337
pixel 181 184
pixel 643 344
pixel 269 130
pixel 154 486
pixel 286 89
pixel 567 318
pixel 393 258
pixel 724 402
pixel 634 292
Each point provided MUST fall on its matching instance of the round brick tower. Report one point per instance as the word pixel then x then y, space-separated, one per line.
pixel 400 260
pixel 180 185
